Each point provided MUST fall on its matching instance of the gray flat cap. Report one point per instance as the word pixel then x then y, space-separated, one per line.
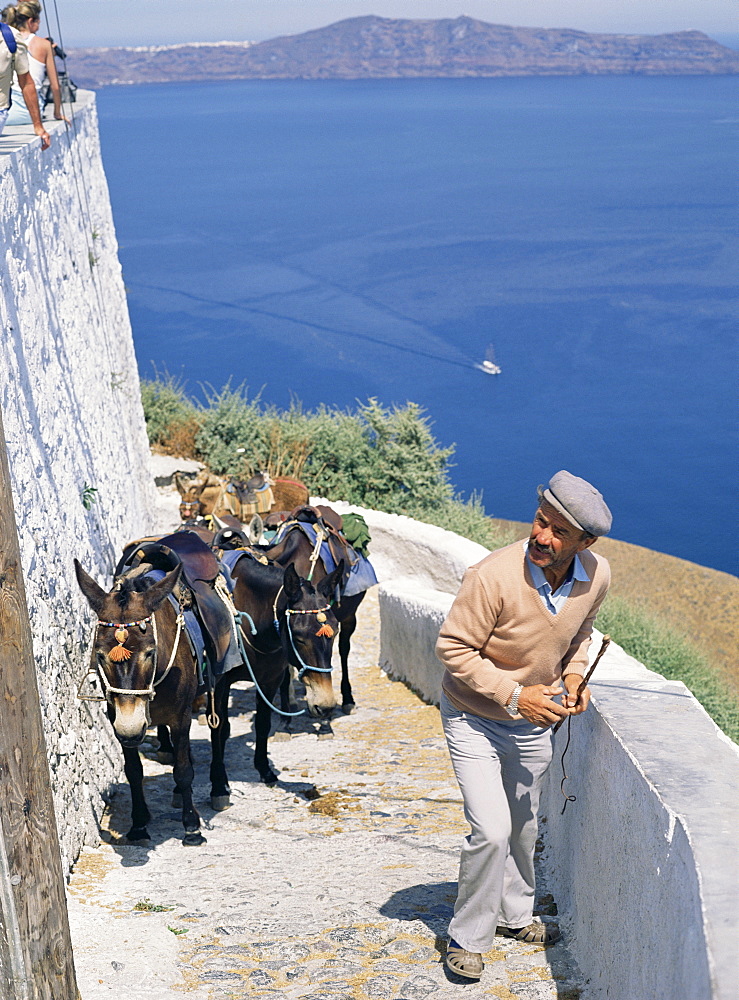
pixel 579 502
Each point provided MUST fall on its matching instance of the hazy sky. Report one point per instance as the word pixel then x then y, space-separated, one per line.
pixel 146 22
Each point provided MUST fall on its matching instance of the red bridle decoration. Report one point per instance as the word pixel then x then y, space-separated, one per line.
pixel 119 652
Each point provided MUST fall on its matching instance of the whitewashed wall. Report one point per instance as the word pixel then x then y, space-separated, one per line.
pixel 644 865
pixel 72 418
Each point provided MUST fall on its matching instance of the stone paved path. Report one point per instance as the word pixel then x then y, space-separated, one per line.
pixel 346 894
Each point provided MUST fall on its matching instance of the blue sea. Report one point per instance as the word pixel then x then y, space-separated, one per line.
pixel 336 240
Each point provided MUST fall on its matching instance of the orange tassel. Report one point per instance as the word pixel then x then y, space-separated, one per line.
pixel 119 653
pixel 325 630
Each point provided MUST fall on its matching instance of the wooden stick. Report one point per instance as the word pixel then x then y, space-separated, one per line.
pixel 584 682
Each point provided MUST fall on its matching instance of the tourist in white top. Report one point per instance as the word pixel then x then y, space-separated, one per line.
pixel 25 17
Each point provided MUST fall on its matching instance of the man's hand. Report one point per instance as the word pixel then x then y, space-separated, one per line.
pixel 572 682
pixel 45 137
pixel 535 704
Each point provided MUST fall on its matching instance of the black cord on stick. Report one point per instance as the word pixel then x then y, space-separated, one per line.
pixel 581 687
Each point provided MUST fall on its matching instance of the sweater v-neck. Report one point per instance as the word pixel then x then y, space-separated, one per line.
pixel 534 594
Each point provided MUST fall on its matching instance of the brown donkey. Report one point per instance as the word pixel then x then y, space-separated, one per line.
pixel 149 677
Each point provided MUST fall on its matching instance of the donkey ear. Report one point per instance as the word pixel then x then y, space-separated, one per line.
pixel 93 591
pixel 329 583
pixel 154 596
pixel 291 583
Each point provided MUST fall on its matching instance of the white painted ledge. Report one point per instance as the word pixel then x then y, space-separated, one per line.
pixel 644 865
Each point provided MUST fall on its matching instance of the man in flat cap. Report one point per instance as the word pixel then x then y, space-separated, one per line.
pixel 519 629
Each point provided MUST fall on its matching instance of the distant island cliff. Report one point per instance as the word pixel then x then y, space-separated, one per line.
pixel 379 47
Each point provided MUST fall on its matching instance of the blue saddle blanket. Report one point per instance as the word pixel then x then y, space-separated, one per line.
pixel 195 637
pixel 228 560
pixel 361 574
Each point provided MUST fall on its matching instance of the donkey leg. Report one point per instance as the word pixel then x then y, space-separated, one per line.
pixel 184 774
pixel 165 753
pixel 346 632
pixel 262 725
pixel 220 793
pixel 140 814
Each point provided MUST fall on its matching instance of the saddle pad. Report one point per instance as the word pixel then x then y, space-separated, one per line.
pixel 359 576
pixel 228 560
pixel 226 646
pixel 259 502
pixel 192 625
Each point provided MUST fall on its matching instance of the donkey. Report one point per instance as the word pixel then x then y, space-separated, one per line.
pixel 285 621
pixel 294 548
pixel 149 677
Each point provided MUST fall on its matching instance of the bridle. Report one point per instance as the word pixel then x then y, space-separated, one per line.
pixel 121 634
pixel 324 630
pixel 190 509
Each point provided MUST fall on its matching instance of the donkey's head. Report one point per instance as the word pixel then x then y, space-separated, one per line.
pixel 191 506
pixel 308 635
pixel 125 648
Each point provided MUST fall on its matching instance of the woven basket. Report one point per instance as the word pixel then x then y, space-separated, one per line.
pixel 289 494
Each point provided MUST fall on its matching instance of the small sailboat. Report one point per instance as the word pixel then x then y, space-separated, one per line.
pixel 489 365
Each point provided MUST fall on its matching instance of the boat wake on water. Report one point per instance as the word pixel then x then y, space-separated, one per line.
pixel 489 365
pixel 254 311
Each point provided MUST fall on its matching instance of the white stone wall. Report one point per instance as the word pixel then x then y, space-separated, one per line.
pixel 73 419
pixel 653 876
pixel 643 865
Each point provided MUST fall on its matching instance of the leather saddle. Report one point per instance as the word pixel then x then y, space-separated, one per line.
pixel 200 570
pixel 253 496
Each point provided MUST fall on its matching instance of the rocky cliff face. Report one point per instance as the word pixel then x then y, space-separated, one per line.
pixel 367 47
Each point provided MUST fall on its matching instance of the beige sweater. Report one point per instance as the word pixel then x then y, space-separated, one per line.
pixel 499 633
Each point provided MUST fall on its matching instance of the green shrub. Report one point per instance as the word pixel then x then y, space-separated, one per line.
pixel 661 648
pixel 380 457
pixel 166 408
pixel 376 456
pixel 229 422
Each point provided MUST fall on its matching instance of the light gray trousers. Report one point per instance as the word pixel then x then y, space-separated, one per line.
pixel 499 767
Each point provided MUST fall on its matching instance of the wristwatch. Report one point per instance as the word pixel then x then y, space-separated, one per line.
pixel 512 706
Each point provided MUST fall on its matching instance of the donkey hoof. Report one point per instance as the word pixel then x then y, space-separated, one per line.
pixel 348 707
pixel 268 777
pixel 195 839
pixel 137 833
pixel 164 757
pixel 176 800
pixel 220 802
